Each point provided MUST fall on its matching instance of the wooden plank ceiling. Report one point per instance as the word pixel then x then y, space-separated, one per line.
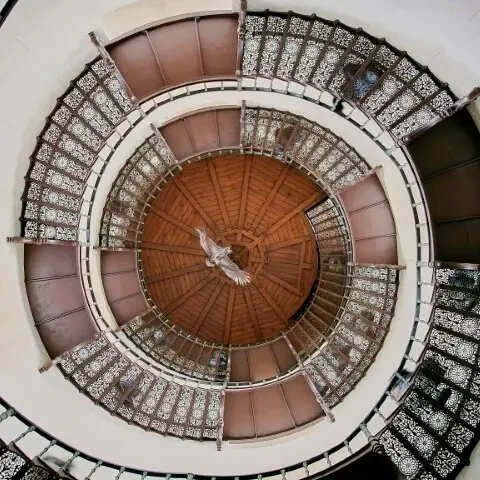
pixel 255 204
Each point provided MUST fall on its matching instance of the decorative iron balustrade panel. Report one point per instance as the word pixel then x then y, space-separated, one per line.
pixel 110 379
pixel 75 132
pixel 14 466
pixel 175 350
pixel 291 138
pixel 134 186
pixel 352 347
pixel 438 425
pixel 386 84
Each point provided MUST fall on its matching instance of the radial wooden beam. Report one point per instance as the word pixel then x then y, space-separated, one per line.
pixel 284 284
pixel 207 308
pixel 191 199
pixel 228 321
pixel 299 208
pixel 176 273
pixel 303 248
pixel 271 196
pixel 218 192
pixel 272 303
pixel 243 201
pixel 173 249
pixel 313 198
pixel 173 306
pixel 252 313
pixel 173 221
pixel 288 243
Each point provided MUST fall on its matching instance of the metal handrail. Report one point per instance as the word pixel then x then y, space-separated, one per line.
pixel 387 394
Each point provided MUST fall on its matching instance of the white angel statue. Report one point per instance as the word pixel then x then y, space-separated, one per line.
pixel 217 256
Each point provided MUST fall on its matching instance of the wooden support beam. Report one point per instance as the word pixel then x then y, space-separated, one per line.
pixel 271 196
pixel 207 308
pixel 243 201
pixel 175 273
pixel 228 321
pixel 284 284
pixel 170 308
pixel 252 313
pixel 218 192
pixel 173 221
pixel 173 248
pixel 289 243
pixel 280 313
pixel 203 214
pixel 299 208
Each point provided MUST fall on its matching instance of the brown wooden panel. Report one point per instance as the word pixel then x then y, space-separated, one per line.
pixel 453 141
pixel 365 193
pixel 301 401
pixel 283 355
pixel 136 62
pixel 112 262
pixel 262 363
pixel 239 370
pixel 53 297
pixel 176 47
pixel 238 416
pixel 44 261
pixel 371 220
pixel 271 411
pixel 56 299
pixel 224 195
pixel 177 137
pixel 458 241
pixel 66 332
pixel 120 285
pixel 455 194
pixel 377 250
pixel 203 131
pixel 218 41
pixel 177 53
pixel 228 121
pixel 125 309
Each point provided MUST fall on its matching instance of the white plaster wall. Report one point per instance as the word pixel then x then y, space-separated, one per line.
pixel 147 12
pixel 59 409
pixel 442 34
pixel 472 472
pixel 43 45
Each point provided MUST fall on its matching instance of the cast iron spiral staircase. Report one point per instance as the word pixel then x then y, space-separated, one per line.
pixel 152 362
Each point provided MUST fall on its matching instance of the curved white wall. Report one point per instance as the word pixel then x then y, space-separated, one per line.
pixel 94 431
pixel 43 45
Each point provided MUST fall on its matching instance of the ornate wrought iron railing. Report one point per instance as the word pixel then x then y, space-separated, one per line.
pixel 63 164
pixel 110 379
pixel 429 437
pixel 437 426
pixel 396 100
pixel 351 65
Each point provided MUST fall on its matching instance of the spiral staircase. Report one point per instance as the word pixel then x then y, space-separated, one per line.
pixel 356 345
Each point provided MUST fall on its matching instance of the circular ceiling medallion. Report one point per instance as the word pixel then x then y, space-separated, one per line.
pixel 254 204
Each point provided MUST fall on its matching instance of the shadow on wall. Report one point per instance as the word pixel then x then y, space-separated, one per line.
pixel 373 465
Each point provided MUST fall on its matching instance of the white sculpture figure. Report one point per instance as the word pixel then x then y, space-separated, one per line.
pixel 218 257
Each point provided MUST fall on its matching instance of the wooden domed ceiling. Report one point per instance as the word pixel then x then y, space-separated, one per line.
pixel 256 205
